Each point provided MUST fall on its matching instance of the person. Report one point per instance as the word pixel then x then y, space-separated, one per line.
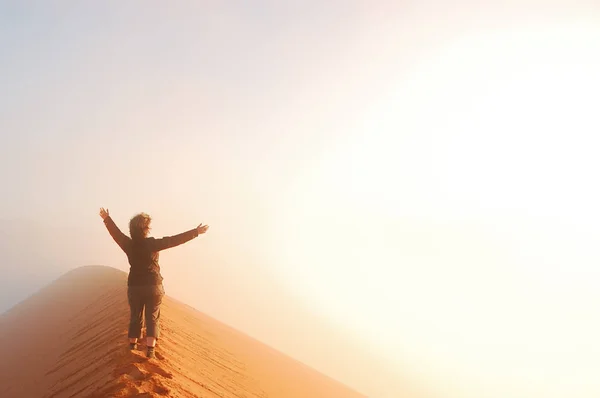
pixel 145 289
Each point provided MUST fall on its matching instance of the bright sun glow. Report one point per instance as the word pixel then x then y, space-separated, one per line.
pixel 457 226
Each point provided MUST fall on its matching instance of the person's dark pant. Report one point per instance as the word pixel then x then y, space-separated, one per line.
pixel 145 299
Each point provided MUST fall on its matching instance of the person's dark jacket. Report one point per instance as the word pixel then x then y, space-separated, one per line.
pixel 143 254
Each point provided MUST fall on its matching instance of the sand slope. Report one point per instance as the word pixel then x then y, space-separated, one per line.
pixel 70 340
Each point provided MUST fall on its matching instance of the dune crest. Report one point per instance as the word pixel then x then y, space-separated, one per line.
pixel 70 340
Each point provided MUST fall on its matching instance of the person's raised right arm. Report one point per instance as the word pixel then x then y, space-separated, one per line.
pixel 168 242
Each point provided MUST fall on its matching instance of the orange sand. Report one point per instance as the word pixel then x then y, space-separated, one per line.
pixel 70 340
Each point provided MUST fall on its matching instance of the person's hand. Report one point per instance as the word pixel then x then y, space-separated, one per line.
pixel 201 229
pixel 103 213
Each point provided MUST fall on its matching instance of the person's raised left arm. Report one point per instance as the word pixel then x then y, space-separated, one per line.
pixel 114 231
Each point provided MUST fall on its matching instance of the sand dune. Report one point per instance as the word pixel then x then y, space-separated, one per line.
pixel 70 340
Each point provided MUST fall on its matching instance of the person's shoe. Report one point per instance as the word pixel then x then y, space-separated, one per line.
pixel 132 346
pixel 150 352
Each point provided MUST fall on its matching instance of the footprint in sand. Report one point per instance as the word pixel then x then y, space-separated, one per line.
pixel 151 387
pixel 155 387
pixel 155 369
pixel 121 389
pixel 161 390
pixel 144 365
pixel 132 371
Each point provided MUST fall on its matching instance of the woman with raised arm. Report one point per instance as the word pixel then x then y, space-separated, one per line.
pixel 144 283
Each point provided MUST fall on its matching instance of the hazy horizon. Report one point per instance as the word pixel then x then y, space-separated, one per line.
pixel 409 186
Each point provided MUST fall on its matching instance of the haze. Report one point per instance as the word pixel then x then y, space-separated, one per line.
pixel 400 196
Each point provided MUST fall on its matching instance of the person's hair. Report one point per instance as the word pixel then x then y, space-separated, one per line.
pixel 139 226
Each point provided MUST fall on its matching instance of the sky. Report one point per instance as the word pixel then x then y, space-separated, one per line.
pixel 400 194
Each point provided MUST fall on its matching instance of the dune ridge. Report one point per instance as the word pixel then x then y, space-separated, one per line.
pixel 70 340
